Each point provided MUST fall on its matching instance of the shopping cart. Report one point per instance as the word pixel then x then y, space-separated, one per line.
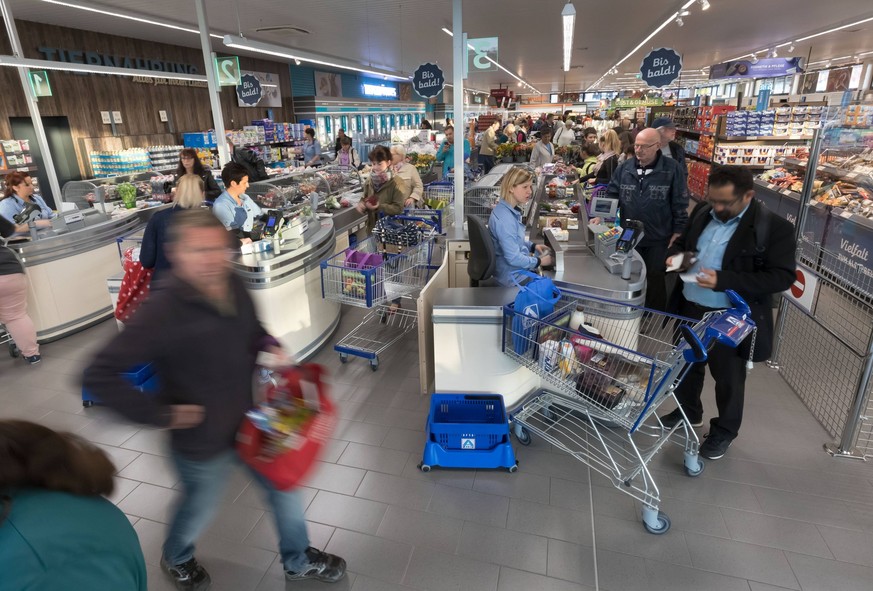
pixel 387 274
pixel 6 339
pixel 480 201
pixel 438 199
pixel 604 383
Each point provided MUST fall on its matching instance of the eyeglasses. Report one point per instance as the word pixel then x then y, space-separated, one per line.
pixel 725 204
pixel 646 146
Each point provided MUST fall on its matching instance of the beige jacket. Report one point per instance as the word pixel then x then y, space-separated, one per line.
pixel 412 180
pixel 489 143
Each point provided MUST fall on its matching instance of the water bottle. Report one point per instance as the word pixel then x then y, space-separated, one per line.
pixel 577 318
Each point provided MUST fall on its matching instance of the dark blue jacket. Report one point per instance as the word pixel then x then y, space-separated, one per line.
pixel 151 253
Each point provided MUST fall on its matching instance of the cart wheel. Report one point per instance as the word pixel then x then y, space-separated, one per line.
pixel 522 435
pixel 14 351
pixel 87 403
pixel 424 467
pixel 662 527
pixel 374 364
pixel 343 358
pixel 699 471
pixel 513 469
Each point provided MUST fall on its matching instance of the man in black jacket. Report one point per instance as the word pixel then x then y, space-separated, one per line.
pixel 732 242
pixel 248 160
pixel 651 189
pixel 202 336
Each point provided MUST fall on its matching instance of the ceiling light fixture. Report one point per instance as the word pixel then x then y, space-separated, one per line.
pixel 791 48
pixel 704 5
pixel 35 64
pixel 568 18
pixel 128 16
pixel 297 61
pixel 304 56
pixel 679 21
pixel 840 28
pixel 684 12
pixel 450 34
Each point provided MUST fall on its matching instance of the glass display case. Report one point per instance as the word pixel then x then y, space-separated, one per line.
pixel 326 187
pixel 149 186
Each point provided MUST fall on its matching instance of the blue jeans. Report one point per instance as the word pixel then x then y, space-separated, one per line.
pixel 204 483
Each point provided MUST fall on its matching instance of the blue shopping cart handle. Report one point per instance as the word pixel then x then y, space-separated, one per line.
pixel 738 304
pixel 732 326
pixel 696 351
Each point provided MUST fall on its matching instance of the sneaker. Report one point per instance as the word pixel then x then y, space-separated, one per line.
pixel 188 576
pixel 672 419
pixel 33 359
pixel 322 567
pixel 715 446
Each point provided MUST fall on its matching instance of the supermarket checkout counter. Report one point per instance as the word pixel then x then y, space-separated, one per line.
pixel 67 267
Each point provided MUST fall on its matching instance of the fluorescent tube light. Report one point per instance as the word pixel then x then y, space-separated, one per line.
pixel 568 17
pixel 450 34
pixel 35 64
pixel 861 22
pixel 303 56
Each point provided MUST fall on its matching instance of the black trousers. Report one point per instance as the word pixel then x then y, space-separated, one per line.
pixel 655 257
pixel 487 162
pixel 728 370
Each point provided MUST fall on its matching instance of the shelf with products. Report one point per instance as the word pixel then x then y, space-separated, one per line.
pixel 103 193
pixel 15 156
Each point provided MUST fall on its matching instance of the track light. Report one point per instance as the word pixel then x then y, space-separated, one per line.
pixel 684 12
pixel 297 62
pixel 704 4
pixel 679 21
pixel 790 49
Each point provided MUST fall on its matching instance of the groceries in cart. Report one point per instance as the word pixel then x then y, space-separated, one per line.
pixel 354 274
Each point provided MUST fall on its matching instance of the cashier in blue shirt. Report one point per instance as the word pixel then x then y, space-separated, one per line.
pixel 311 149
pixel 512 252
pixel 233 207
pixel 18 193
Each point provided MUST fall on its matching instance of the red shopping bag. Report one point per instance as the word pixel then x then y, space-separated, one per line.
pixel 134 286
pixel 288 461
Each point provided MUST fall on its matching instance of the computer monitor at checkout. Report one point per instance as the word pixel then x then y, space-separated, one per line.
pixel 603 207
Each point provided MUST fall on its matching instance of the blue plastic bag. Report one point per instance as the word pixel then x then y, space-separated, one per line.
pixel 535 300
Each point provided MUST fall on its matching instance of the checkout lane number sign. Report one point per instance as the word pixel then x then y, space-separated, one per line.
pixel 802 291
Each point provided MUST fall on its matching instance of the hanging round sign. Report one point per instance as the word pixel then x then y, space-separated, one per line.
pixel 661 67
pixel 428 80
pixel 249 90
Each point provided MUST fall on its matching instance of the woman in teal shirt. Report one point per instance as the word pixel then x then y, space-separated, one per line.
pixel 57 531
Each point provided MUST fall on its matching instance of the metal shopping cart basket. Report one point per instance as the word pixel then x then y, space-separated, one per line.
pixel 480 201
pixel 439 199
pixel 390 272
pixel 604 383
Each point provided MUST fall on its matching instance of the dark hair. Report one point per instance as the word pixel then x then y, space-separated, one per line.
pixel 380 154
pixel 13 179
pixel 588 131
pixel 37 457
pixel 233 173
pixel 187 219
pixel 345 141
pixel 591 149
pixel 738 176
pixel 425 124
pixel 448 127
pixel 310 132
pixel 198 166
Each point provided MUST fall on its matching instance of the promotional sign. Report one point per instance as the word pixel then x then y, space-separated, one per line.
pixel 763 100
pixel 626 103
pixel 480 51
pixel 428 80
pixel 661 67
pixel 838 79
pixel 771 67
pixel 328 84
pixel 851 239
pixel 258 89
pixel 802 292
pixel 39 83
pixel 227 70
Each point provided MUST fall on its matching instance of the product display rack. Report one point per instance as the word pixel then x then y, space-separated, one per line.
pixel 85 193
pixel 15 156
pixel 164 157
pixel 293 191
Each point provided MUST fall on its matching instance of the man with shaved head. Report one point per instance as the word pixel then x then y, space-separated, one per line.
pixel 651 188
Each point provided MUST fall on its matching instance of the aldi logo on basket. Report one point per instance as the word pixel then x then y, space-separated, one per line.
pixel 468 443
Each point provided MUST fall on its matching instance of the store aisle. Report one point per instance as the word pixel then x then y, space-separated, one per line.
pixel 775 513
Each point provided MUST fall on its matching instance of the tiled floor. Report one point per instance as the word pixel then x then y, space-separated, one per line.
pixel 775 513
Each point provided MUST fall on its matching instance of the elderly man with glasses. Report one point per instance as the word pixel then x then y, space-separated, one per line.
pixel 651 189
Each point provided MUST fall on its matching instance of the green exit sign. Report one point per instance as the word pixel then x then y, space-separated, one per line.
pixel 227 70
pixel 39 83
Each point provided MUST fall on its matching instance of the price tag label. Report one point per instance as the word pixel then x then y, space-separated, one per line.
pixel 845 214
pixel 771 186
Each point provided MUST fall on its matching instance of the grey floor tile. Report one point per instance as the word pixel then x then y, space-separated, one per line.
pixel 756 586
pixel 373 557
pixel 132 519
pixel 517 580
pixel 397 417
pixel 437 571
pixel 233 565
pixel 694 517
pixel 776 532
pixel 405 440
pixel 234 522
pixel 419 528
pixel 738 559
pixel 23 412
pixel 264 534
pixel 621 572
pixel 519 485
pixel 495 544
pixel 157 470
pixel 630 537
pixel 120 457
pixel 152 441
pixel 333 450
pixel 748 472
pixel 368 584
pixel 123 487
pixel 833 486
pixel 817 574
pixel 346 512
pixel 670 577
pixel 335 478
pixel 453 478
pixel 378 459
pixel 274 580
pixel 545 463
pixel 394 490
pixel 367 433
pixel 158 581
pixel 714 492
pixel 550 522
pixel 815 509
pixel 570 494
pixel 114 433
pixel 63 401
pixel 848 545
pixel 155 503
pixel 469 505
pixel 611 502
pixel 151 539
pixel 65 421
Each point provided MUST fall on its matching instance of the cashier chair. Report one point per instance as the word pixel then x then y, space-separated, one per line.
pixel 482 261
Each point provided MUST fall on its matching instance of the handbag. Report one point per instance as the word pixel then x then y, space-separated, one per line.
pixel 360 271
pixel 397 232
pixel 134 286
pixel 535 300
pixel 285 449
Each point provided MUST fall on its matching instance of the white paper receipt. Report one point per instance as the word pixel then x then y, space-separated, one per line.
pixel 689 277
pixel 677 262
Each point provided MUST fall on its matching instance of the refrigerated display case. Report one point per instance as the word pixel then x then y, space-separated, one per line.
pixel 98 192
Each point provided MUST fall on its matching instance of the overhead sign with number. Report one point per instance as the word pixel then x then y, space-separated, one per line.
pixel 39 82
pixel 227 70
pixel 661 67
pixel 428 80
pixel 483 54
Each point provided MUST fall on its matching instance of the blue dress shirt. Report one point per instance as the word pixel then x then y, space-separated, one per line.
pixel 233 216
pixel 12 206
pixel 311 150
pixel 512 252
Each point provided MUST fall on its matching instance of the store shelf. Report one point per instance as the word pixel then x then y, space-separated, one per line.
pixel 786 192
pixel 696 157
pixel 838 173
pixel 684 130
pixel 18 169
pixel 764 138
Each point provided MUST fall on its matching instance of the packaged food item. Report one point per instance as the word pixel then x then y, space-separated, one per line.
pixel 549 352
pixel 567 359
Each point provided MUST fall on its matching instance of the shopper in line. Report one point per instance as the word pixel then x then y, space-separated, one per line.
pixel 587 162
pixel 384 192
pixel 669 146
pixel 236 210
pixel 347 155
pixel 446 154
pixel 56 530
pixel 13 296
pixel 511 251
pixel 311 148
pixel 337 145
pixel 189 163
pixel 488 146
pixel 739 245
pixel 543 151
pixel 425 124
pixel 249 160
pixel 19 194
pixel 650 188
pixel 608 160
pixel 202 336
pixel 521 132
pixel 565 135
pixel 413 187
pixel 189 195
pixel 590 135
